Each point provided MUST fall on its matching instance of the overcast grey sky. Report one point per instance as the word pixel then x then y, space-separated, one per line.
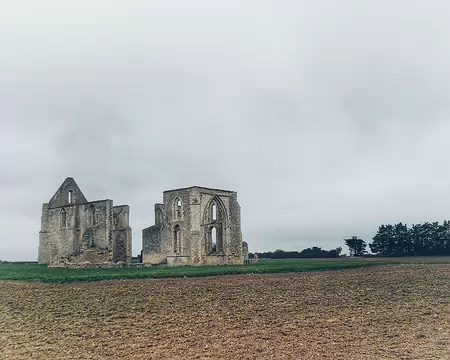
pixel 327 117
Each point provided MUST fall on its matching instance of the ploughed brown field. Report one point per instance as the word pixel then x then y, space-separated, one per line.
pixel 388 312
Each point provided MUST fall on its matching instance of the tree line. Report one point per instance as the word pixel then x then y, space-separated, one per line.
pixel 313 252
pixel 418 240
pixel 425 239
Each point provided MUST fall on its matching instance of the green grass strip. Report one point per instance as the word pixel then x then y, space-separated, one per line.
pixel 43 274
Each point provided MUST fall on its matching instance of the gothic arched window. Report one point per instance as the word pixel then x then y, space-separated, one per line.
pixel 215 230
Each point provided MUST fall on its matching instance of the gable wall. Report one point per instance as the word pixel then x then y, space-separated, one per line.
pixel 94 232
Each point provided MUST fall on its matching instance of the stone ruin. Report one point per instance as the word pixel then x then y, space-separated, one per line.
pixel 80 233
pixel 195 226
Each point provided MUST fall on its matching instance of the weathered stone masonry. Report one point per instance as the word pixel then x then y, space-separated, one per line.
pixel 195 226
pixel 75 232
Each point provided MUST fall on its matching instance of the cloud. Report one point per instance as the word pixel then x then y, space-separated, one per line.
pixel 328 118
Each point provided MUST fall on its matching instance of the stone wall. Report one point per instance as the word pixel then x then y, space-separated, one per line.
pixel 153 250
pixel 122 238
pixel 75 231
pixel 245 250
pixel 195 226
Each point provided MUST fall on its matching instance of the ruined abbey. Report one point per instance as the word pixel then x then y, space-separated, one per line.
pixel 76 232
pixel 193 226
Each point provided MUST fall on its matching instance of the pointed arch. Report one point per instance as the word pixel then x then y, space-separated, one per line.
pixel 215 222
pixel 215 211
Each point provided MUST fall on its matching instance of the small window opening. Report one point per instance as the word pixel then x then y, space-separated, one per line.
pixel 70 197
pixel 63 218
pixel 177 240
pixel 214 239
pixel 214 212
pixel 91 215
pixel 178 209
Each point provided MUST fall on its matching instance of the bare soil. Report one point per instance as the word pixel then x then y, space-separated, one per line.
pixel 389 312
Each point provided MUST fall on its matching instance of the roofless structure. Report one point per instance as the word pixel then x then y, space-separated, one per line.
pixel 195 226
